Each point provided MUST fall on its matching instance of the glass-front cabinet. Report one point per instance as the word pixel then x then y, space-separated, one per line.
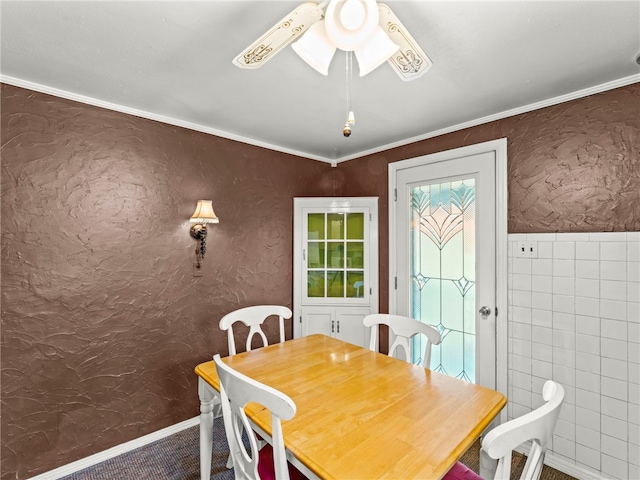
pixel 334 255
pixel 335 266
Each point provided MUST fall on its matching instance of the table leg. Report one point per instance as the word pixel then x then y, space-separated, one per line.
pixel 207 398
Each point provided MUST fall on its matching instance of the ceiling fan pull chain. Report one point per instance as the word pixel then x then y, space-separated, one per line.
pixel 351 119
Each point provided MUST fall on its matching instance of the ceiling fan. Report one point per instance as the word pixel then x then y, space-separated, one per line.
pixel 369 29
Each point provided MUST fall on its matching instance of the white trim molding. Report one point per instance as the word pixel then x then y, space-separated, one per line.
pixel 36 87
pixel 18 82
pixel 112 452
pixel 622 82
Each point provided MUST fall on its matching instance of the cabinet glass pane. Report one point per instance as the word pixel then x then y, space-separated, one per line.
pixel 355 284
pixel 315 222
pixel 315 284
pixel 355 226
pixel 335 226
pixel 355 252
pixel 335 283
pixel 315 257
pixel 335 255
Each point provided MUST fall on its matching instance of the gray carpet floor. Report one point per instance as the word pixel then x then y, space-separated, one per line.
pixel 177 457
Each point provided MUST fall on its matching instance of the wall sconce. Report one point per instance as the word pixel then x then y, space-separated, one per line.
pixel 204 214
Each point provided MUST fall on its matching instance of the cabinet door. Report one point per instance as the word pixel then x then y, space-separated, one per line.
pixel 335 270
pixel 345 324
pixel 349 326
pixel 314 320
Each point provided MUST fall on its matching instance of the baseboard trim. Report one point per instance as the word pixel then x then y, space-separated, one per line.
pixel 575 470
pixel 115 451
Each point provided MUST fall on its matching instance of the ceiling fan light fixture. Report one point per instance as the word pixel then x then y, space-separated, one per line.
pixel 350 24
pixel 353 14
pixel 375 52
pixel 315 48
pixel 316 28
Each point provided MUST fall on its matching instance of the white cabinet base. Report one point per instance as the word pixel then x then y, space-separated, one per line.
pixel 338 322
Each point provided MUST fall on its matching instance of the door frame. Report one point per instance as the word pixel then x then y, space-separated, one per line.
pixel 499 148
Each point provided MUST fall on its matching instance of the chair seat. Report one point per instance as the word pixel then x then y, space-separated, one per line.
pixel 461 472
pixel 266 468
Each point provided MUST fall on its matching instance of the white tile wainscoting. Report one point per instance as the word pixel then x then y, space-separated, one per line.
pixel 574 317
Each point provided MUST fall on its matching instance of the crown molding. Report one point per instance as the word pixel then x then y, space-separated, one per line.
pixel 603 87
pixel 621 82
pixel 56 92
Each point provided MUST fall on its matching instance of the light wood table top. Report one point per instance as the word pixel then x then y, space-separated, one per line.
pixel 365 415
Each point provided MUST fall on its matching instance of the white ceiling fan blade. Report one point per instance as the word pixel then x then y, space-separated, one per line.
pixel 279 36
pixel 410 61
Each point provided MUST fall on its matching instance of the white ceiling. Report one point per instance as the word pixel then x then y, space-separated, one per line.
pixel 171 61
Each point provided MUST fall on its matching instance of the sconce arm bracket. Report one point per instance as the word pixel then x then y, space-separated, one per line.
pixel 199 232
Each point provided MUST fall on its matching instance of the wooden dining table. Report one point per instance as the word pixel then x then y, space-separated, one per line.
pixel 360 414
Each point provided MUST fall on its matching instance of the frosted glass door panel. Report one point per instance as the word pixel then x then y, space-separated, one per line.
pixel 443 254
pixel 443 272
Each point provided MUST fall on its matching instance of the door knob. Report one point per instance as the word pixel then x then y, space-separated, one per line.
pixel 484 311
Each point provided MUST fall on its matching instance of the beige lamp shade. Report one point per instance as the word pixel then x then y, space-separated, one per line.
pixel 204 213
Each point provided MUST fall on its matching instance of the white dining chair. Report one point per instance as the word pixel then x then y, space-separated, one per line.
pixel 254 317
pixel 404 328
pixel 497 446
pixel 268 462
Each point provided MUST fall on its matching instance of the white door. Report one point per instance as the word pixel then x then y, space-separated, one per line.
pixel 448 218
pixel 335 266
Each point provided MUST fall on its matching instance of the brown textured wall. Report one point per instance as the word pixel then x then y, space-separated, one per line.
pixel 573 167
pixel 102 318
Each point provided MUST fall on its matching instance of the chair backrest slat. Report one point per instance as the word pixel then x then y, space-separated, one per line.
pixel 404 328
pixel 254 317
